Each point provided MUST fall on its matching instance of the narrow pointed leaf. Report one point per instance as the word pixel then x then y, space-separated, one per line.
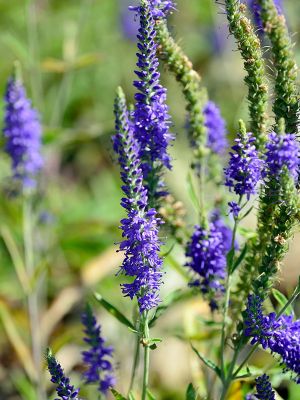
pixel 210 364
pixel 282 301
pixel 117 395
pixel 190 393
pixel 114 311
pixel 240 258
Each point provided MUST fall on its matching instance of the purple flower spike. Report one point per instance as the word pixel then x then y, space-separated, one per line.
pixel 245 168
pixel 216 128
pixel 22 131
pixel 98 357
pixel 64 389
pixel 208 260
pixel 151 118
pixel 264 388
pixel 140 229
pixel 282 151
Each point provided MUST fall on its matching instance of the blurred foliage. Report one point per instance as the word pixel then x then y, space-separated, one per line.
pixel 74 54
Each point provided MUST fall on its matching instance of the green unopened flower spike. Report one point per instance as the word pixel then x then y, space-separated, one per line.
pixel 287 96
pixel 195 95
pixel 249 45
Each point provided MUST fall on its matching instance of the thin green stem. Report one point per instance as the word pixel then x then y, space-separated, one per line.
pixel 248 356
pixel 135 362
pixel 146 337
pixel 33 297
pixel 227 295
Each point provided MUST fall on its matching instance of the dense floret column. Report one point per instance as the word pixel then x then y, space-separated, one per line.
pixel 140 229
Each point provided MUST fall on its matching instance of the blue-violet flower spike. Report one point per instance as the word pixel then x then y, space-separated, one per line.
pixel 140 228
pixel 216 128
pixel 245 168
pixel 64 389
pixel 22 130
pixel 264 388
pixel 207 258
pixel 151 118
pixel 99 357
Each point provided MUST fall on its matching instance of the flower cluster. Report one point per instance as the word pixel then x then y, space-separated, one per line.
pixel 207 255
pixel 264 388
pixel 22 131
pixel 255 9
pixel 140 228
pixel 245 168
pixel 64 389
pixel 98 357
pixel 216 128
pixel 159 8
pixel 280 335
pixel 282 151
pixel 151 118
pixel 224 229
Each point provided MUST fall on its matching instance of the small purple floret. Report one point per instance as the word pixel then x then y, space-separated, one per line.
pixel 264 388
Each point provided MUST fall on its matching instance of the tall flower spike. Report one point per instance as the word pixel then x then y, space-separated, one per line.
pixel 208 260
pixel 264 388
pixel 245 168
pixel 151 118
pixel 22 131
pixel 64 389
pixel 98 357
pixel 216 128
pixel 140 228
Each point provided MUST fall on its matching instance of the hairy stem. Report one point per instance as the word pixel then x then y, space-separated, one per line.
pixel 146 337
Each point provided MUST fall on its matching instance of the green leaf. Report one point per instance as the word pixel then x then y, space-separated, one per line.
pixel 117 395
pixel 171 299
pixel 230 256
pixel 150 395
pixel 240 258
pixel 210 364
pixel 282 300
pixel 131 396
pixel 191 393
pixel 192 191
pixel 114 311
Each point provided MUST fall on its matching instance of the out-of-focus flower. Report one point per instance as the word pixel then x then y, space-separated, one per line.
pixel 255 9
pixel 216 128
pixel 99 357
pixel 22 130
pixel 207 258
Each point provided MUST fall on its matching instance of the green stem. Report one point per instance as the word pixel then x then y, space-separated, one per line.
pixel 230 371
pixel 248 356
pixel 146 337
pixel 290 301
pixel 135 362
pixel 33 298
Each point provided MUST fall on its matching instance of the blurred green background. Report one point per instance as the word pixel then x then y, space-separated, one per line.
pixel 74 53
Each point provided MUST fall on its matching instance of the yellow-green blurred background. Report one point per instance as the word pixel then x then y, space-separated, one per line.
pixel 74 53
